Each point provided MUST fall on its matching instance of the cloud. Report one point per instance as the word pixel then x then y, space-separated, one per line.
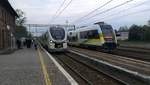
pixel 42 11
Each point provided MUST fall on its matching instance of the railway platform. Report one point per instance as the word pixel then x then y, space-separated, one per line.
pixel 32 67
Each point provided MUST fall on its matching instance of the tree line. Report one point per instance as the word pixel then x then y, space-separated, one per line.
pixel 21 30
pixel 137 33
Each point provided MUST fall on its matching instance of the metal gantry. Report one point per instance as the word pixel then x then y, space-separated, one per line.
pixel 44 27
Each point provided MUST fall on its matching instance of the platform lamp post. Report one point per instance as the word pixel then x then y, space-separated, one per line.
pixel 9 39
pixel 36 32
pixel 74 27
pixel 29 30
pixel 67 25
pixel 12 41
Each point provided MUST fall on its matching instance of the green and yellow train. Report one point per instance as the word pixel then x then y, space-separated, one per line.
pixel 99 35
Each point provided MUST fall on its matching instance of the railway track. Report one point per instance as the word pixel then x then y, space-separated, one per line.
pixel 132 66
pixel 134 49
pixel 133 52
pixel 129 52
pixel 89 74
pixel 139 65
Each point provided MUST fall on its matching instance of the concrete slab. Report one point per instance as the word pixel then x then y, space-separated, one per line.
pixel 57 76
pixel 23 68
pixel 20 68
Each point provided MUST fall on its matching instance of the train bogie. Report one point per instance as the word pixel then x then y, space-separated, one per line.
pixel 57 47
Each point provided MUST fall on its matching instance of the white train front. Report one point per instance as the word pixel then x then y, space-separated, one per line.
pixel 55 39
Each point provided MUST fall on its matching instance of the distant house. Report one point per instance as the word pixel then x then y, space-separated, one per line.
pixel 122 35
pixel 7 25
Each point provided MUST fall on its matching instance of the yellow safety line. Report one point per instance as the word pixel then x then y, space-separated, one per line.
pixel 44 70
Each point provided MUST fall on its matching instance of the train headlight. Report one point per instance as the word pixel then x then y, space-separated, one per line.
pixel 51 41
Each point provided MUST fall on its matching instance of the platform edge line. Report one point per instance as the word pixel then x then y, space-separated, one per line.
pixel 44 70
pixel 65 73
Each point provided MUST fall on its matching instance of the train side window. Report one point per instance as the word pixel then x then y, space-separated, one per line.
pixel 93 34
pixel 83 35
pixel 45 37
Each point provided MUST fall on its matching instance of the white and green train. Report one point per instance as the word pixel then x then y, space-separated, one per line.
pixel 99 35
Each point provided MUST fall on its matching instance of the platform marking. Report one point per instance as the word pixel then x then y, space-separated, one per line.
pixel 44 70
pixel 65 73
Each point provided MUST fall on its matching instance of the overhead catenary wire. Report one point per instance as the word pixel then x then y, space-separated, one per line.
pixel 133 13
pixel 122 11
pixel 62 10
pixel 107 10
pixel 129 14
pixel 59 9
pixel 93 11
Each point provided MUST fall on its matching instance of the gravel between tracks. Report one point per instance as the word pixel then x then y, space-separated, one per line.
pixel 94 77
pixel 136 49
pixel 141 54
pixel 135 65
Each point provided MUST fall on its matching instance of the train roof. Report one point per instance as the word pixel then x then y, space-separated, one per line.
pixel 57 27
pixel 91 27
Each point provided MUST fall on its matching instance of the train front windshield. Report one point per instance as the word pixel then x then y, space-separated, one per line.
pixel 57 33
pixel 107 31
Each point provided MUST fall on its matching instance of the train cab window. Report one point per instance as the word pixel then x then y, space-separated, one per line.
pixel 46 36
pixel 57 33
pixel 107 30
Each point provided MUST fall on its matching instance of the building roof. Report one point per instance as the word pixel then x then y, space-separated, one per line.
pixel 7 6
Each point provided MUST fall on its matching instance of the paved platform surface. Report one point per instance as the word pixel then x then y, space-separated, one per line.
pixel 23 67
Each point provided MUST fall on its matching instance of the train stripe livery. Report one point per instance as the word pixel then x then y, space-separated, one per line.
pixel 99 35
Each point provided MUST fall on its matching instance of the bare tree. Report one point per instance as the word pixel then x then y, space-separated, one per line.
pixel 21 31
pixel 21 19
pixel 148 22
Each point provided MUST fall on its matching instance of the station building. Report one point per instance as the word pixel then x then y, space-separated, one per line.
pixel 7 25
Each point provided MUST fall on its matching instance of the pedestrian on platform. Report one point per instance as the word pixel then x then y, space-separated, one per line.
pixel 35 44
pixel 18 42
pixel 24 43
pixel 28 43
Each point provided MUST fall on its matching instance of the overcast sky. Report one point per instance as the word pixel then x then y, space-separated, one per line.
pixel 43 11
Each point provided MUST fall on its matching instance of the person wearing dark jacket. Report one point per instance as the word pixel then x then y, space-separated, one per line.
pixel 35 44
pixel 28 43
pixel 18 42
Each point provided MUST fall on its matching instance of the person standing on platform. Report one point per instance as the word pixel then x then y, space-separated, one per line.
pixel 35 44
pixel 18 42
pixel 28 43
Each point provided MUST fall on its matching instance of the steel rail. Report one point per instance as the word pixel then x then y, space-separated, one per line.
pixel 137 76
pixel 80 75
pixel 97 70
